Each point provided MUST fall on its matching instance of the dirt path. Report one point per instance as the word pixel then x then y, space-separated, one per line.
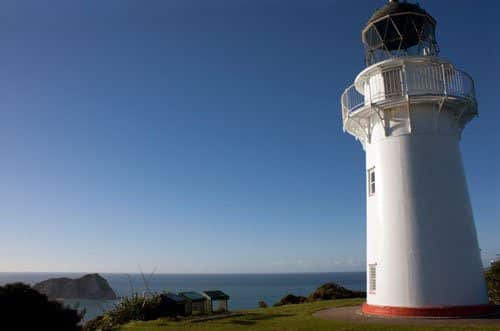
pixel 354 315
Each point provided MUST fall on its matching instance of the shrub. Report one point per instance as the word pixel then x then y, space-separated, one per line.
pixel 331 291
pixel 24 308
pixel 262 304
pixel 290 299
pixel 493 281
pixel 327 291
pixel 100 323
pixel 134 308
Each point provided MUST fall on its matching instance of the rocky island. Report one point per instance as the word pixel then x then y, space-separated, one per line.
pixel 91 286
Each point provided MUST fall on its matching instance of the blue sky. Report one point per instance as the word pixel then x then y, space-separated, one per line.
pixel 205 136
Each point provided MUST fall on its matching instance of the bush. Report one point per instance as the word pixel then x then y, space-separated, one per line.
pixel 262 304
pixel 133 308
pixel 100 323
pixel 290 299
pixel 331 291
pixel 493 281
pixel 327 291
pixel 24 308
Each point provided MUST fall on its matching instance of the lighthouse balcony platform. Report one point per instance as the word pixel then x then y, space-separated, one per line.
pixel 403 82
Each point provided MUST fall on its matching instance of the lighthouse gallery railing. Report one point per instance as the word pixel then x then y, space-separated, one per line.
pixel 402 81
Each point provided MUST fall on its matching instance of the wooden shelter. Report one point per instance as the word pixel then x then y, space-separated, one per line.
pixel 217 297
pixel 173 304
pixel 197 303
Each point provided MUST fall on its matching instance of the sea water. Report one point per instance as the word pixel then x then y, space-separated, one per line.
pixel 244 290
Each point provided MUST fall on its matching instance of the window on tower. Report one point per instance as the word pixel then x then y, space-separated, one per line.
pixel 371 181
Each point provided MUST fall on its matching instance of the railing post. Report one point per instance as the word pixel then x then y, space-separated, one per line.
pixel 445 83
pixel 369 92
pixel 472 89
pixel 402 78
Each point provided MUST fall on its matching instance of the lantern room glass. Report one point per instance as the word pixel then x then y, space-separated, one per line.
pixel 401 34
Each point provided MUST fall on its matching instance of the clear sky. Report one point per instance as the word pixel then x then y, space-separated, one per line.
pixel 206 136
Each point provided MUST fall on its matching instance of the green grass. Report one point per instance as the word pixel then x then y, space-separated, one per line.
pixel 285 318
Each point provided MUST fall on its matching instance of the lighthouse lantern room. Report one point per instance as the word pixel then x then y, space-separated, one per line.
pixel 408 109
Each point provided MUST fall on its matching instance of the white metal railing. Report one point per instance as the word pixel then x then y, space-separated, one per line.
pixel 351 100
pixel 407 80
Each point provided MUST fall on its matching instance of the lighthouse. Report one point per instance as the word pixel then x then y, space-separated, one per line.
pixel 408 109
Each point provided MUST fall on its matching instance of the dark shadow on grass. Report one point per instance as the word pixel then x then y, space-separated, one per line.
pixel 242 322
pixel 236 318
pixel 495 315
pixel 215 317
pixel 253 318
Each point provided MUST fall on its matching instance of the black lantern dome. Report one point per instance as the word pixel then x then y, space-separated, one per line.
pixel 399 29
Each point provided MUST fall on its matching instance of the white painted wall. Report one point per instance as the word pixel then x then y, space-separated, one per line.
pixel 420 227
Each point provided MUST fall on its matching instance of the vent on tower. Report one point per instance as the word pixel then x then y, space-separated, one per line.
pixel 372 275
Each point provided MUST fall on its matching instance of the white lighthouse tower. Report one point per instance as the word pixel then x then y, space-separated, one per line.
pixel 408 109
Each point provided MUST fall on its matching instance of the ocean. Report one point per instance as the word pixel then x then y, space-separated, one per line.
pixel 245 290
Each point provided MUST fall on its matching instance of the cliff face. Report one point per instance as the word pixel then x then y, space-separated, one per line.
pixel 91 286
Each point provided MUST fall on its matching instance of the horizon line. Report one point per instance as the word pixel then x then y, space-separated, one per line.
pixel 180 273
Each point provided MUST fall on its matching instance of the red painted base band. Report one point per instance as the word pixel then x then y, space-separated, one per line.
pixel 452 311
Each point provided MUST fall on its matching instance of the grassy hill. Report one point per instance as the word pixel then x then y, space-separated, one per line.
pixel 284 318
